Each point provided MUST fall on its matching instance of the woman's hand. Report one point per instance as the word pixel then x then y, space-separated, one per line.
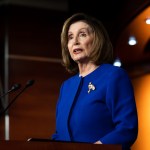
pixel 98 142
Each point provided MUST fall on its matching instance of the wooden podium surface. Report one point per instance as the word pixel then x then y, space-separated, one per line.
pixel 25 145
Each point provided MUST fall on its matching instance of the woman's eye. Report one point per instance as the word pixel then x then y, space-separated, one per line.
pixel 82 35
pixel 70 37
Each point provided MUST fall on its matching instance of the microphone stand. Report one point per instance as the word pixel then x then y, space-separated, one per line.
pixel 29 83
pixel 15 87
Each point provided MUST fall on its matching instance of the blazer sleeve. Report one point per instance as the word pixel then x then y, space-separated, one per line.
pixel 121 103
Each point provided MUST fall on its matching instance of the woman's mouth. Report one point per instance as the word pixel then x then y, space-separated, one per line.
pixel 77 51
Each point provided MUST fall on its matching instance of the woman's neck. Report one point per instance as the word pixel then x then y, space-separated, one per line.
pixel 85 69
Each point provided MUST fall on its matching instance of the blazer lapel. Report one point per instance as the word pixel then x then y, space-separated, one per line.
pixel 72 94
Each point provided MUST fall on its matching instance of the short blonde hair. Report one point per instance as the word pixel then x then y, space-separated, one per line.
pixel 102 46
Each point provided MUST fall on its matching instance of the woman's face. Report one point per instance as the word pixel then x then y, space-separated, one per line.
pixel 80 40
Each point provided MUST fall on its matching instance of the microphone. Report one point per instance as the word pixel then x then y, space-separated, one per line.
pixel 15 87
pixel 28 84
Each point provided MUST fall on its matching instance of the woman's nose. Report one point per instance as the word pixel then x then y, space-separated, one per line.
pixel 76 41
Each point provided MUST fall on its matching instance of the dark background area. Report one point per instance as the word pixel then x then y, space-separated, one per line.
pixel 30 49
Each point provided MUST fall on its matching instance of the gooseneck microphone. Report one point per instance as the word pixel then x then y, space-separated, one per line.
pixel 15 87
pixel 28 84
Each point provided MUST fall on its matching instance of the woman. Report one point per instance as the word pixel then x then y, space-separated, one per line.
pixel 97 104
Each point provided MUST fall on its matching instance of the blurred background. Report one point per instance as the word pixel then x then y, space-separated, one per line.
pixel 30 49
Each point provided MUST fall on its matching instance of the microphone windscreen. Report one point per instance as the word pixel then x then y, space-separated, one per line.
pixel 15 87
pixel 29 83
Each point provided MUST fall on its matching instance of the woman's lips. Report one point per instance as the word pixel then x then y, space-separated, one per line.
pixel 77 50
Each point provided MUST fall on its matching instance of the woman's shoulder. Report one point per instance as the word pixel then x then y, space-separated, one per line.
pixel 110 71
pixel 112 68
pixel 72 78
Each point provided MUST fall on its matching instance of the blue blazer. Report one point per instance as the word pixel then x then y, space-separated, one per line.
pixel 107 113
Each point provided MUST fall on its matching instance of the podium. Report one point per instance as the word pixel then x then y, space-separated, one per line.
pixel 38 145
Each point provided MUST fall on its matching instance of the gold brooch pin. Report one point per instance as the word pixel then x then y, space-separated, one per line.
pixel 90 87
